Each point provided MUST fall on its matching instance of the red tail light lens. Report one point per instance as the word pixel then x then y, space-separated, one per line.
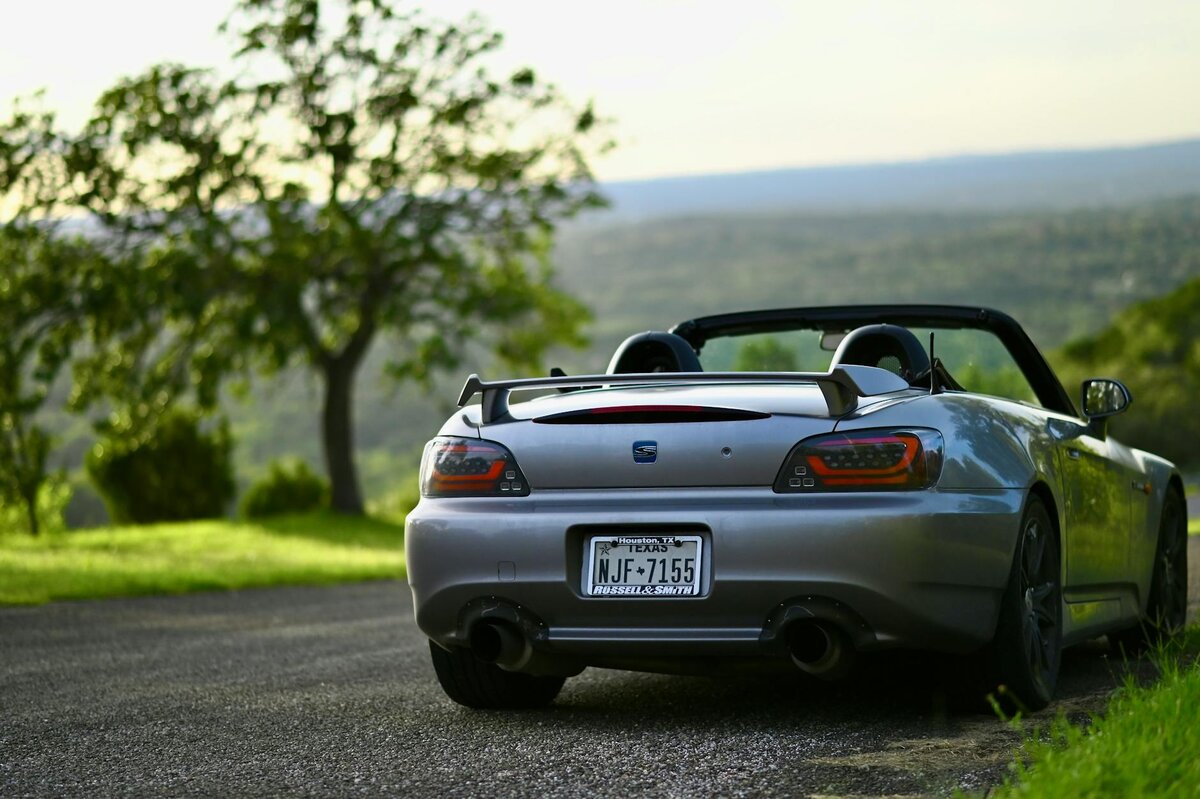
pixel 863 460
pixel 467 467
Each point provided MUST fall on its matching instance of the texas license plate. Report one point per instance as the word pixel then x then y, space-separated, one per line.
pixel 643 565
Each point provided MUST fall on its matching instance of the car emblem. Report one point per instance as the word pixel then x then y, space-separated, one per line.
pixel 645 451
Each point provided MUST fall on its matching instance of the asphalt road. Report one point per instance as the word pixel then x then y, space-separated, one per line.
pixel 328 691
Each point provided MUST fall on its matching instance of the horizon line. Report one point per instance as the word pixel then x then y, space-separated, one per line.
pixel 968 155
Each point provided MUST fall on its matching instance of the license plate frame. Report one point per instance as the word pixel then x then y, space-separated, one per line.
pixel 612 557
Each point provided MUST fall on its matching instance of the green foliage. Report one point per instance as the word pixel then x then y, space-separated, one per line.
pixel 289 487
pixel 169 471
pixel 764 355
pixel 998 381
pixel 46 310
pixel 396 504
pixel 54 494
pixel 1144 744
pixel 210 555
pixel 1153 347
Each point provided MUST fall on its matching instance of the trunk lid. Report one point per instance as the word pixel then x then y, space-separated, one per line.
pixel 669 436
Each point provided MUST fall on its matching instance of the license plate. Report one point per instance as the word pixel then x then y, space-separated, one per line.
pixel 643 565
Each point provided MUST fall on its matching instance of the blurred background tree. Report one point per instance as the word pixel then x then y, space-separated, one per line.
pixel 765 355
pixel 1153 347
pixel 364 174
pixel 52 302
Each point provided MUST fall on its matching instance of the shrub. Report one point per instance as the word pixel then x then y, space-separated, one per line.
pixel 289 487
pixel 53 496
pixel 172 471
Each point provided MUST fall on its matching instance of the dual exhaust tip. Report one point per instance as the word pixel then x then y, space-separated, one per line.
pixel 818 648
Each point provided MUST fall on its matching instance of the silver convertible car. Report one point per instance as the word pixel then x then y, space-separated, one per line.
pixel 791 487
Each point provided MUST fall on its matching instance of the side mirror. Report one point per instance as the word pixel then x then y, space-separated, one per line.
pixel 1103 398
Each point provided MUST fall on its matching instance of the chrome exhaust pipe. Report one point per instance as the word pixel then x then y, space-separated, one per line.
pixel 820 649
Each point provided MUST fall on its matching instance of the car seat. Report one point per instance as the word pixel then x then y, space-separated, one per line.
pixel 889 347
pixel 654 351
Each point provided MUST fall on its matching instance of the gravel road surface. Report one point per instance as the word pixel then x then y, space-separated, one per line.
pixel 328 691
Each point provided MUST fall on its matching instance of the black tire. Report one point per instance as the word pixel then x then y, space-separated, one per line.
pixel 1027 650
pixel 1166 607
pixel 481 685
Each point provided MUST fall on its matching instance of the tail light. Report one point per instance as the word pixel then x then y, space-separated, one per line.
pixel 863 460
pixel 468 467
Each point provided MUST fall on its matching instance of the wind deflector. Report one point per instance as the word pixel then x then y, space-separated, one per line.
pixel 840 386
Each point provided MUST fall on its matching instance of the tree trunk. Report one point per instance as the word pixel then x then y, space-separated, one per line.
pixel 31 509
pixel 337 429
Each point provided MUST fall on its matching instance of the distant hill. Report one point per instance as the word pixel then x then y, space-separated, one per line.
pixel 1062 274
pixel 1055 179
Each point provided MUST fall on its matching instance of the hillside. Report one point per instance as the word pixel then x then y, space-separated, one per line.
pixel 1063 275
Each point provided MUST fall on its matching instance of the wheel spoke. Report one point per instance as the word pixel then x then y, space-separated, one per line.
pixel 1032 549
pixel 1035 647
pixel 1175 550
pixel 1039 550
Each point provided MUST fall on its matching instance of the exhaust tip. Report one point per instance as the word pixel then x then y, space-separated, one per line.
pixel 820 649
pixel 501 643
pixel 808 643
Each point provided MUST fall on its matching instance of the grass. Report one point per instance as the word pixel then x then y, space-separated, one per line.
pixel 1193 526
pixel 198 556
pixel 1145 743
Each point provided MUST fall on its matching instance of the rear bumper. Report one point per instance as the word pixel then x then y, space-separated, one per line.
pixel 915 569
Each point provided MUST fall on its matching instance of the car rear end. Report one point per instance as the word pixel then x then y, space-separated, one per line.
pixel 688 528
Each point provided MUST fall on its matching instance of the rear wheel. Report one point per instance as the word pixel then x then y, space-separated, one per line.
pixel 1027 649
pixel 1166 607
pixel 478 684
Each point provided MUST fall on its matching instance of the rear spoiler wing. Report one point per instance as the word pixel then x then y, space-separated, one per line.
pixel 841 386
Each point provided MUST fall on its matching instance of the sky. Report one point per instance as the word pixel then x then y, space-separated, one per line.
pixel 706 87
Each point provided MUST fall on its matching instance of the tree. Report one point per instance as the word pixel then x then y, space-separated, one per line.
pixel 65 296
pixel 373 179
pixel 41 318
pixel 1153 347
pixel 41 304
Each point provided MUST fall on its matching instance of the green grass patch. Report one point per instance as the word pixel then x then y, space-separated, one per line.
pixel 1144 744
pixel 1193 526
pixel 198 556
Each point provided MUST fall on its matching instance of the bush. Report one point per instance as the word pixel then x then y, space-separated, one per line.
pixel 289 487
pixel 53 496
pixel 172 471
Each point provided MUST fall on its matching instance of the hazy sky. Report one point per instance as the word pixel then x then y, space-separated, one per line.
pixel 716 87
